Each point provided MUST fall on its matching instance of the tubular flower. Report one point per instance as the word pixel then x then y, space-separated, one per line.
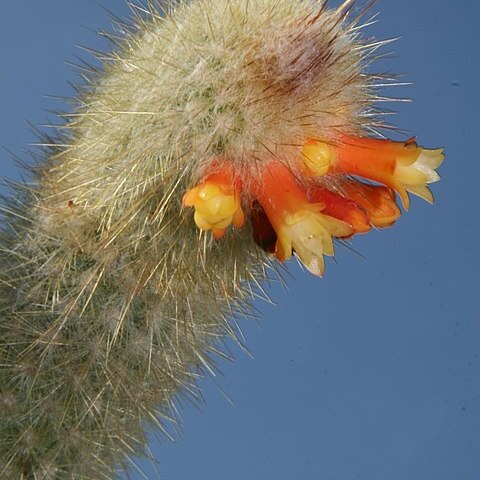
pixel 217 203
pixel 405 167
pixel 377 201
pixel 402 166
pixel 300 226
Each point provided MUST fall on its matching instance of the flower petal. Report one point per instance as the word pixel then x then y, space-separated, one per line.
pixel 216 201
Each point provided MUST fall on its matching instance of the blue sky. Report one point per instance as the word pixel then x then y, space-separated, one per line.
pixel 371 373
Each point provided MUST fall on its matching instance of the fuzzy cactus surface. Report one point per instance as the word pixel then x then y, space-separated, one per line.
pixel 218 139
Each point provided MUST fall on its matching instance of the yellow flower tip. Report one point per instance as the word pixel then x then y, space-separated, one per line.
pixel 402 193
pixel 216 204
pixel 190 197
pixel 310 235
pixel 317 158
pixel 421 191
pixel 421 172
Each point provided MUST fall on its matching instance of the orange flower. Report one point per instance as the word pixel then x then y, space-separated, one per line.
pixel 402 166
pixel 300 226
pixel 217 203
pixel 377 201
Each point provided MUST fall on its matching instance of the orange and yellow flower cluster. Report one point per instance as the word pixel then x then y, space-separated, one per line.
pixel 302 213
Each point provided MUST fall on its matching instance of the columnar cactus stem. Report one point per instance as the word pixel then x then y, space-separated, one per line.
pixel 115 294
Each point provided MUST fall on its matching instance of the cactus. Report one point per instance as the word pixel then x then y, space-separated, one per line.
pixel 219 139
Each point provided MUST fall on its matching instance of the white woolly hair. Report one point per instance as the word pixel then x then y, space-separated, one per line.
pixel 112 301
